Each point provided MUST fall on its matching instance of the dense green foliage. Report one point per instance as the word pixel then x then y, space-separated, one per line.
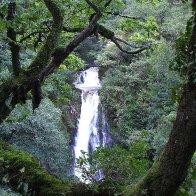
pixel 42 134
pixel 112 168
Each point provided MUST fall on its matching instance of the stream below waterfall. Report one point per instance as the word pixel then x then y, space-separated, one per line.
pixel 90 132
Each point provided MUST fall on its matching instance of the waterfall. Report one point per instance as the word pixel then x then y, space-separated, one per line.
pixel 89 135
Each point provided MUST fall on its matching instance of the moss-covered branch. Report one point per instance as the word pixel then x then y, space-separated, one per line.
pixel 111 36
pixel 16 88
pixel 52 39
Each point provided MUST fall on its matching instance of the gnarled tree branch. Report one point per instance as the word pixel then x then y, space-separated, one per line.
pixel 94 7
pixel 22 84
pixel 125 16
pixel 63 53
pixel 126 51
pixel 147 44
pixel 110 35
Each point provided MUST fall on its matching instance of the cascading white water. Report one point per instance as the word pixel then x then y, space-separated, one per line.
pixel 87 137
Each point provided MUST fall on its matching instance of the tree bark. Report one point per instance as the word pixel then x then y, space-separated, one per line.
pixel 168 173
pixel 11 34
pixel 15 89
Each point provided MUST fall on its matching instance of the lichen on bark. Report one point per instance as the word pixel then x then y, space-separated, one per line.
pixel 52 39
pixel 19 86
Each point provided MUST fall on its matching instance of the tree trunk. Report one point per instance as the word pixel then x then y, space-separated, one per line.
pixel 168 173
pixel 11 34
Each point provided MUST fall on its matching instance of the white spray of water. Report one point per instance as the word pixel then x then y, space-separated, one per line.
pixel 87 133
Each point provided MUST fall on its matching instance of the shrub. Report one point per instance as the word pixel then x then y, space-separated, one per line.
pixel 114 166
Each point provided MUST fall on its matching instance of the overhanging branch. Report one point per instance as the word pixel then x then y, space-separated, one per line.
pixel 110 35
pixel 125 16
pixel 145 44
pixel 94 7
pixel 61 54
pixel 108 3
pixel 40 68
pixel 126 51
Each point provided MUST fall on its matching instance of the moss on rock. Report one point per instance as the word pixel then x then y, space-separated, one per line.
pixel 20 169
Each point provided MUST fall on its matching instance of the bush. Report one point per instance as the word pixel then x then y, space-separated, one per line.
pixel 114 166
